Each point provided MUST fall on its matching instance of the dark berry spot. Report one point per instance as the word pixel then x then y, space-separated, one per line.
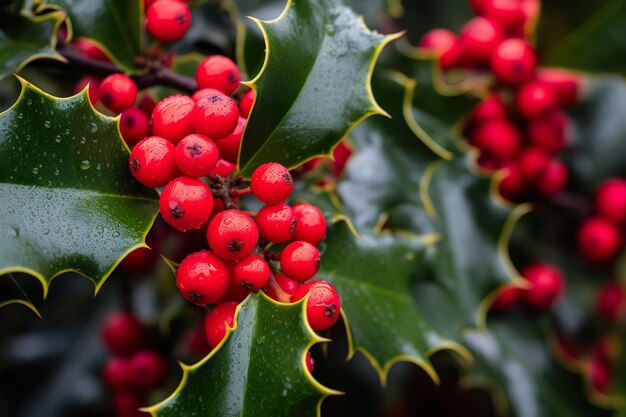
pixel 181 18
pixel 234 245
pixel 175 210
pixel 129 121
pixel 213 98
pixel 194 150
pixel 231 78
pixel 292 226
pixel 246 285
pixel 197 298
pixel 134 164
pixel 330 310
pixel 287 178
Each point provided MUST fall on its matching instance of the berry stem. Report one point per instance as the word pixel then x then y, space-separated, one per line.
pixel 222 188
pixel 240 192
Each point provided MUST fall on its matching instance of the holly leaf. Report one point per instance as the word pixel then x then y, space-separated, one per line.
pixel 114 25
pixel 23 40
pixel 259 369
pixel 11 292
pixel 70 201
pixel 314 85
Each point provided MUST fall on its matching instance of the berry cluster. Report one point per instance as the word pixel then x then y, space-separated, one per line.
pixel 520 125
pixel 132 370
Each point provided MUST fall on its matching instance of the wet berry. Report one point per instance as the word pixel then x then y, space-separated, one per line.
pixel 311 224
pixel 196 155
pixel 152 162
pixel 216 322
pixel 172 118
pixel 276 223
pixel 118 92
pixel 168 20
pixel 271 183
pixel 245 104
pixel 186 203
pixel 202 278
pixel 300 260
pixel 323 306
pixel 251 273
pixel 215 115
pixel 218 72
pixel 232 234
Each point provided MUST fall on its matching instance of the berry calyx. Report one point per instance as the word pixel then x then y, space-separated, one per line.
pixel 186 203
pixel 513 62
pixel 611 302
pixel 311 224
pixel 216 321
pixel 232 234
pixel 229 146
pixel 172 118
pixel 134 125
pixel 323 305
pixel 148 370
pixel 196 155
pixel 215 115
pixel 611 200
pixel 300 261
pixel 152 161
pixel 276 223
pixel 547 285
pixel 168 20
pixel 118 92
pixel 122 333
pixel 599 240
pixel 202 278
pixel 271 183
pixel 218 72
pixel 246 102
pixel 251 273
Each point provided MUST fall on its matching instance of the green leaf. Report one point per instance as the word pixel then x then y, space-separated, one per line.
pixel 373 274
pixel 11 292
pixel 597 46
pixel 314 85
pixel 23 40
pixel 513 354
pixel 115 25
pixel 70 202
pixel 258 370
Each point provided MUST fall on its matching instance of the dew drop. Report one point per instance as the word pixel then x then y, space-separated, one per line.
pixel 57 138
pixel 93 128
pixel 83 140
pixel 35 170
pixel 12 231
pixel 85 165
pixel 47 123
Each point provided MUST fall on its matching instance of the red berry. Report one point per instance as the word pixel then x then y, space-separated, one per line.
pixel 547 285
pixel 281 288
pixel 148 370
pixel 611 200
pixel 565 84
pixel 323 306
pixel 126 403
pixel 202 278
pixel 139 261
pixel 512 184
pixel 117 373
pixel 599 240
pixel 186 203
pixel 90 49
pixel 122 333
pixel 216 321
pixel 478 6
pixel 271 183
pixel 251 273
pixel 134 125
pixel 232 234
pixel 532 163
pixel 513 62
pixel 611 302
pixel 453 57
pixel 235 291
pixel 223 168
pixel 497 139
pixel 229 146
pixel 311 224
pixel 152 162
pixel 492 107
pixel 554 178
pixel 480 37
pixel 218 72
pixel 118 92
pixel 438 41
pixel 341 155
pixel 246 102
pixel 276 223
pixel 147 104
pixel 168 20
pixel 215 115
pixel 172 118
pixel 196 155
pixel 534 99
pixel 310 362
pixel 508 14
pixel 507 298
pixel 203 92
pixel 94 87
pixel 548 132
pixel 300 261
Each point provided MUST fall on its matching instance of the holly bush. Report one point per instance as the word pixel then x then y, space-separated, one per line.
pixel 318 207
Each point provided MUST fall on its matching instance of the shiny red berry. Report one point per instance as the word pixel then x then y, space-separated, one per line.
pixel 611 200
pixel 532 163
pixel 323 306
pixel 300 261
pixel 122 333
pixel 117 373
pixel 215 115
pixel 271 183
pixel 311 224
pixel 507 298
pixel 229 146
pixel 196 155
pixel 611 302
pixel 246 102
pixel 168 20
pixel 134 125
pixel 223 168
pixel 94 87
pixel 553 179
pixel 218 72
pixel 453 57
pixel 548 132
pixel 491 108
pixel 534 99
pixel 513 62
pixel 232 234
pixel 547 285
pixel 281 288
pixel 508 14
pixel 202 278
pixel 172 118
pixel 152 161
pixel 498 140
pixel 186 203
pixel 566 84
pixel 276 223
pixel 90 49
pixel 216 321
pixel 438 41
pixel 118 92
pixel 480 37
pixel 235 291
pixel 599 240
pixel 310 362
pixel 251 273
pixel 148 370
